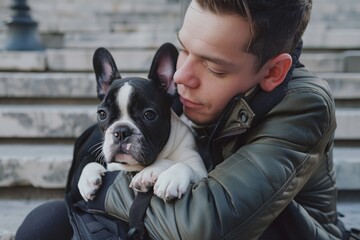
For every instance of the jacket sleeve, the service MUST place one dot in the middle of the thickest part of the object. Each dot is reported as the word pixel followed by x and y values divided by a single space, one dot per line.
pixel 247 191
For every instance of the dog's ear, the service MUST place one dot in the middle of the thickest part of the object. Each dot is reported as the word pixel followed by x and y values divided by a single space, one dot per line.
pixel 163 68
pixel 105 71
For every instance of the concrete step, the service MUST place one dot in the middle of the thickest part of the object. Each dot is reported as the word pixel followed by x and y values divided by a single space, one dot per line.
pixel 347 165
pixel 47 85
pixel 336 13
pixel 90 16
pixel 319 36
pixel 45 121
pixel 136 60
pixel 13 213
pixel 17 202
pixel 324 62
pixel 345 86
pixel 131 40
pixel 62 105
pixel 68 121
pixel 64 16
pixel 81 85
pixel 347 124
pixel 46 165
pixel 37 165
pixel 70 60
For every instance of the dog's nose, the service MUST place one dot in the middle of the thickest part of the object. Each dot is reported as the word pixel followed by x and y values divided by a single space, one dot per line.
pixel 120 133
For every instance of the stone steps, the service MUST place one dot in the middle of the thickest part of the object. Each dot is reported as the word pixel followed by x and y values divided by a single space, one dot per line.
pixel 37 165
pixel 317 36
pixel 138 60
pixel 64 121
pixel 46 165
pixel 68 121
pixel 54 16
pixel 43 113
pixel 81 85
pixel 72 60
pixel 45 121
pixel 332 25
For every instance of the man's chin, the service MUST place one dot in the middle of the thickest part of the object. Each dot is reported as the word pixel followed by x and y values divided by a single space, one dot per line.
pixel 199 119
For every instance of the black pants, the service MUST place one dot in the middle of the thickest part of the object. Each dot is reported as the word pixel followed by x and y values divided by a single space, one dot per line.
pixel 50 221
pixel 47 221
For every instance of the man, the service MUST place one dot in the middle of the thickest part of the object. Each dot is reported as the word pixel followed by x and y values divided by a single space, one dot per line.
pixel 268 124
pixel 263 123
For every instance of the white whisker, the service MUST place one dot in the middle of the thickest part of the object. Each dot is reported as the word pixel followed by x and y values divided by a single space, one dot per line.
pixel 96 150
pixel 95 146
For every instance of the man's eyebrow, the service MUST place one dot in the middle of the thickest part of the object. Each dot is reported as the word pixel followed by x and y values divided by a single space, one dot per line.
pixel 215 60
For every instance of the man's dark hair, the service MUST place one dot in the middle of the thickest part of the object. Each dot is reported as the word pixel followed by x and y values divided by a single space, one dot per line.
pixel 276 26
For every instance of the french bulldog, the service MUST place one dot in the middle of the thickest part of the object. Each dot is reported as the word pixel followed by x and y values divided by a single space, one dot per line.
pixel 140 131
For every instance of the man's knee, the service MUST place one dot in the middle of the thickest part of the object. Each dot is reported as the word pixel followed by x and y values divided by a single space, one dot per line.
pixel 47 221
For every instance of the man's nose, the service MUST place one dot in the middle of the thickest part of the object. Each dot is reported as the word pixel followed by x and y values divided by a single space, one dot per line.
pixel 186 74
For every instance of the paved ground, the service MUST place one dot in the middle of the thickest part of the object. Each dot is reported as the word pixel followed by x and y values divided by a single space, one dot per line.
pixel 349 205
pixel 352 214
pixel 14 211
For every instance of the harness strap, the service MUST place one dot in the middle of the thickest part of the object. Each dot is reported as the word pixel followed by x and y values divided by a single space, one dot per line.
pixel 136 215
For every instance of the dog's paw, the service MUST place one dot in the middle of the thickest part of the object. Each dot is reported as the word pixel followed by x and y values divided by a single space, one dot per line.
pixel 145 179
pixel 173 182
pixel 90 180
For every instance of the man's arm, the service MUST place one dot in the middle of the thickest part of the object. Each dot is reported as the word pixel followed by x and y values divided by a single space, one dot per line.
pixel 246 192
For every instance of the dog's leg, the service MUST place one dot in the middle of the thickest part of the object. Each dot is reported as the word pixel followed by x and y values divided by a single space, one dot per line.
pixel 91 180
pixel 173 182
pixel 114 167
pixel 147 177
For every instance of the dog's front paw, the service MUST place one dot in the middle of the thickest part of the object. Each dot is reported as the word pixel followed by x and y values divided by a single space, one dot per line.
pixel 90 180
pixel 145 179
pixel 173 182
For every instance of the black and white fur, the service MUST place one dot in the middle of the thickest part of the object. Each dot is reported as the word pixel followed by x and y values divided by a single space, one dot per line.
pixel 141 132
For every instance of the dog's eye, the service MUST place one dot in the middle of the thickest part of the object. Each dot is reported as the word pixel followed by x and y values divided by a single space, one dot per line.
pixel 150 115
pixel 102 114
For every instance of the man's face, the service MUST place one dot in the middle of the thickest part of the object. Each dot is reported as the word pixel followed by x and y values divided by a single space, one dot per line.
pixel 213 65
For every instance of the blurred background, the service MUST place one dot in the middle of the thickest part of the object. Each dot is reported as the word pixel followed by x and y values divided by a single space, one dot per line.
pixel 47 85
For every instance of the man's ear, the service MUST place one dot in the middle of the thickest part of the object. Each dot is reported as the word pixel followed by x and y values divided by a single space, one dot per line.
pixel 277 69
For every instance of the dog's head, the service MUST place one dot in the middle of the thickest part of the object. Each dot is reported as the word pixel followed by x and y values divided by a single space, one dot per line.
pixel 134 113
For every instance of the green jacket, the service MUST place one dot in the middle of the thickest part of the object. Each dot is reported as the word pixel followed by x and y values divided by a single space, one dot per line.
pixel 282 170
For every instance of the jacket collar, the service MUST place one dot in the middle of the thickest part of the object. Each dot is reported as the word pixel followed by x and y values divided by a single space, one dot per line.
pixel 247 110
pixel 244 112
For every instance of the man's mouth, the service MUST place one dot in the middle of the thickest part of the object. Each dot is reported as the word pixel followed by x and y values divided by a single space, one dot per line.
pixel 188 103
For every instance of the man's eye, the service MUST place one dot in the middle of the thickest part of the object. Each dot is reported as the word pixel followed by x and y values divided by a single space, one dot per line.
pixel 217 74
pixel 102 114
pixel 150 115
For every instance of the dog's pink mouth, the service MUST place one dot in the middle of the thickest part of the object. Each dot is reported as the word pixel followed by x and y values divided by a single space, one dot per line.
pixel 126 162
